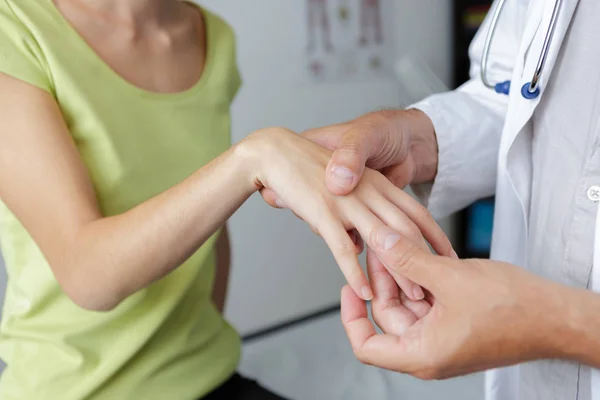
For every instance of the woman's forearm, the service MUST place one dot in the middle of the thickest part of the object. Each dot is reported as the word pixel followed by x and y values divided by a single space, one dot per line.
pixel 112 258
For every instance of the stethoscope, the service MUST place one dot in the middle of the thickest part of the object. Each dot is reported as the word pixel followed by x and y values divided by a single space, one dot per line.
pixel 531 89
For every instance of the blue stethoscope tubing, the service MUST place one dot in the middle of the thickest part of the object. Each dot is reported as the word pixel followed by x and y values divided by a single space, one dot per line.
pixel 529 90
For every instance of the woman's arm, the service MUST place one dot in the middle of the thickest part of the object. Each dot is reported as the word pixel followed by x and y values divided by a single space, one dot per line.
pixel 99 261
pixel 223 264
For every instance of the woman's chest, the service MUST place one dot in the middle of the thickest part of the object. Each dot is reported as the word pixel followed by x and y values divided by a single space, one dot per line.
pixel 135 152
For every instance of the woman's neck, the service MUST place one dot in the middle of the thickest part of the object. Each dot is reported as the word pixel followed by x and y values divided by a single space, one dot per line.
pixel 135 12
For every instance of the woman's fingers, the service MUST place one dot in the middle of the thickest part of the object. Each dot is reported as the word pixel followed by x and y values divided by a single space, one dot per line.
pixel 387 308
pixel 366 223
pixel 395 218
pixel 344 252
pixel 357 240
pixel 421 218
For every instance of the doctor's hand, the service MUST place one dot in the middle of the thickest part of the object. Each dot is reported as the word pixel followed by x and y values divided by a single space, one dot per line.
pixel 477 315
pixel 401 144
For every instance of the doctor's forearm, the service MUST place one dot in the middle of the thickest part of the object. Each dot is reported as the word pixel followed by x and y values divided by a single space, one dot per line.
pixel 581 338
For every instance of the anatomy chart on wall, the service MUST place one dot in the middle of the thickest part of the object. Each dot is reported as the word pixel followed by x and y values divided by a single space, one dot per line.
pixel 348 39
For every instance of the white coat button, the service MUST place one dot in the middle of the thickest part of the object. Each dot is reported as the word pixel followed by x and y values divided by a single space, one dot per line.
pixel 594 193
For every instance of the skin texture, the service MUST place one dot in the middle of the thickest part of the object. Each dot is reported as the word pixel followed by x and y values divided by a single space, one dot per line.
pixel 157 45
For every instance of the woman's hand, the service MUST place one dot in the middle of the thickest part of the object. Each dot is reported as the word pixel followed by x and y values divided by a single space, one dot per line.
pixel 294 168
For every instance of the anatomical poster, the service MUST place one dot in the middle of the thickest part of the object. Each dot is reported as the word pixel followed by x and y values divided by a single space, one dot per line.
pixel 348 39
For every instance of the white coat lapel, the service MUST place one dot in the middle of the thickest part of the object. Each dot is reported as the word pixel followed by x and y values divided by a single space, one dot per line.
pixel 515 152
pixel 533 41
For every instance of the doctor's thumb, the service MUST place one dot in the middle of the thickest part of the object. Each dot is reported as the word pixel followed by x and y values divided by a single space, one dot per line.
pixel 347 163
pixel 401 256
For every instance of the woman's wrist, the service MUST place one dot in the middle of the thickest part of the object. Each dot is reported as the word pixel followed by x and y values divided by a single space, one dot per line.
pixel 248 161
pixel 253 154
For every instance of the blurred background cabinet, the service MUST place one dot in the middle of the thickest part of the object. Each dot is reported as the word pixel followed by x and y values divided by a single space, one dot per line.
pixel 474 224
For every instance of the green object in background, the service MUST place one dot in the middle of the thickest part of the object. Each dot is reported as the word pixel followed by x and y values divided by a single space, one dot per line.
pixel 344 13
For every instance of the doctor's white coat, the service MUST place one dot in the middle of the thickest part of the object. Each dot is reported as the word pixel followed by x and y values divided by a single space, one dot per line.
pixel 480 130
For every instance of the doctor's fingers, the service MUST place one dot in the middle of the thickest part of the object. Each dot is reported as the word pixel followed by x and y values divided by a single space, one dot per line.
pixel 358 145
pixel 402 257
pixel 387 350
pixel 386 293
pixel 391 216
pixel 329 137
pixel 366 222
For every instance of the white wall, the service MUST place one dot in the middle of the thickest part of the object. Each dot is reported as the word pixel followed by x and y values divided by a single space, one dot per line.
pixel 424 29
pixel 281 269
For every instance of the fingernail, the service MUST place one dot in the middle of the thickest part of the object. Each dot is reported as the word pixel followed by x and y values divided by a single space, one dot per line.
pixel 418 293
pixel 279 203
pixel 366 293
pixel 387 238
pixel 343 176
pixel 454 255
